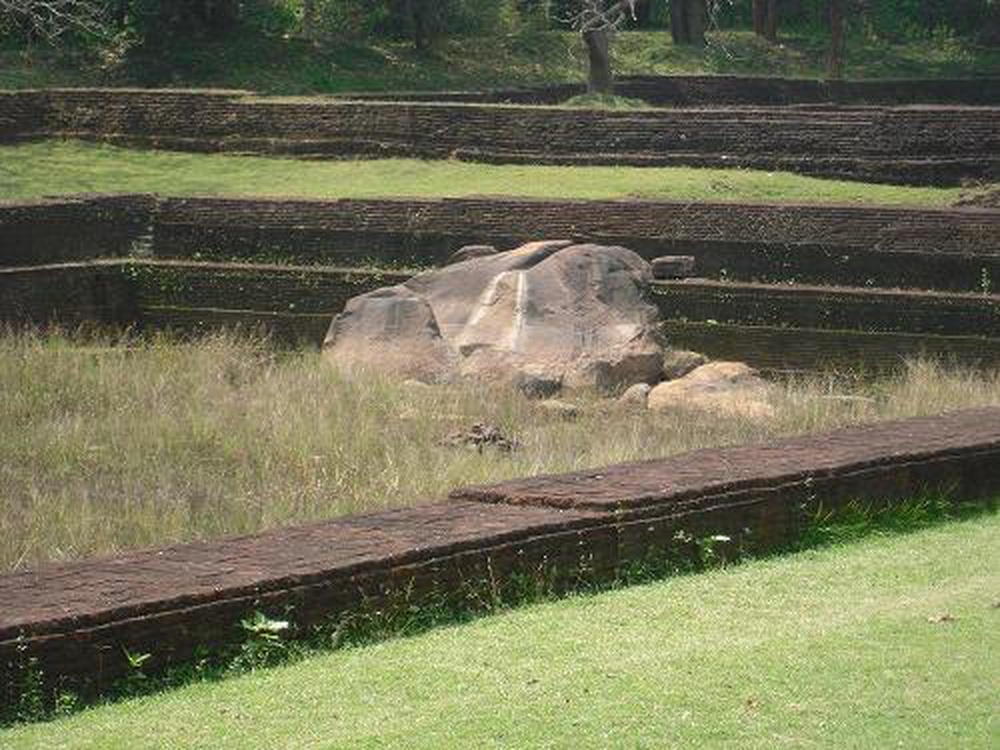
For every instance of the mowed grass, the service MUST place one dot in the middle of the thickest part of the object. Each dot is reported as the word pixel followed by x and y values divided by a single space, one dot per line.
pixel 57 167
pixel 110 447
pixel 893 641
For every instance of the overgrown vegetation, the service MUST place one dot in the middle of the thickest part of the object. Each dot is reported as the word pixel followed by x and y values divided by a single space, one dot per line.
pixel 110 445
pixel 782 650
pixel 53 167
pixel 296 46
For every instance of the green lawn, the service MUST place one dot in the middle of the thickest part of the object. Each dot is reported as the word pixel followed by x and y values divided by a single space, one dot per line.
pixel 889 642
pixel 71 167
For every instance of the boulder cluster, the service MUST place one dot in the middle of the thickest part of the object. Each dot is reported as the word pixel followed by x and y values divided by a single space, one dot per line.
pixel 546 317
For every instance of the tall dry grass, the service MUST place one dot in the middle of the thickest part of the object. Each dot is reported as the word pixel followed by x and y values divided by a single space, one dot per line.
pixel 106 446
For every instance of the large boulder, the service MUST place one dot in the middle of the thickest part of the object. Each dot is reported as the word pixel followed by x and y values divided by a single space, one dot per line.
pixel 546 311
pixel 391 330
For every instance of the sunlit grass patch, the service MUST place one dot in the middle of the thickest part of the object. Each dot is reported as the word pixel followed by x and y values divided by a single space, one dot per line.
pixel 62 167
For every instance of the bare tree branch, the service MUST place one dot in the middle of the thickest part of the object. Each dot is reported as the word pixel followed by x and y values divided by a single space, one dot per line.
pixel 599 15
pixel 51 19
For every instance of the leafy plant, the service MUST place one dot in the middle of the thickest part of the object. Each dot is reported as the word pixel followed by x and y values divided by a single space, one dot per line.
pixel 264 643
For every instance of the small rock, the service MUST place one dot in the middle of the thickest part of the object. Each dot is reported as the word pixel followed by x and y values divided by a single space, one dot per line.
pixel 537 386
pixel 722 374
pixel 727 388
pixel 563 409
pixel 468 252
pixel 946 617
pixel 673 266
pixel 636 395
pixel 479 436
pixel 679 362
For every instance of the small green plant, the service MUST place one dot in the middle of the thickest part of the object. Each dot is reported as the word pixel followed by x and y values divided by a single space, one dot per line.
pixel 136 678
pixel 264 643
pixel 136 661
pixel 712 550
pixel 29 689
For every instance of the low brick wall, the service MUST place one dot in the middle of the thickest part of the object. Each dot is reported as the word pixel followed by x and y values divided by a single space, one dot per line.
pixel 71 228
pixel 772 327
pixel 921 145
pixel 721 90
pixel 950 249
pixel 76 621
pixel 69 295
pixel 954 249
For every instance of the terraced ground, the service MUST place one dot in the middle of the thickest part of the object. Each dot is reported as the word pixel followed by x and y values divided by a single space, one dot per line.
pixel 846 290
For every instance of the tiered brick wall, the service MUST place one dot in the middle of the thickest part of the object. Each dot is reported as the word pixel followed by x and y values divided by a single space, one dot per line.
pixel 951 249
pixel 917 144
pixel 776 326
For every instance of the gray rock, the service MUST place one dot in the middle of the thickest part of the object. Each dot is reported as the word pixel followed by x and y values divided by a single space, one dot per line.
pixel 673 266
pixel 678 362
pixel 636 395
pixel 546 312
pixel 537 386
pixel 390 331
pixel 468 252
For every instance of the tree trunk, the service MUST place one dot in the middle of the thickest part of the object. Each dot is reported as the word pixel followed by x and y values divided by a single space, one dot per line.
pixel 697 16
pixel 599 78
pixel 835 66
pixel 309 19
pixel 418 15
pixel 771 26
pixel 687 21
pixel 765 19
pixel 759 17
pixel 678 22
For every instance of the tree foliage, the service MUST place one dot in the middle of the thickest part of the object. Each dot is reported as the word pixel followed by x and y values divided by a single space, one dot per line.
pixel 158 24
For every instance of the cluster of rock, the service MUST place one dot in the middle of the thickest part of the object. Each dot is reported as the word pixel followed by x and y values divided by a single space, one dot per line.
pixel 547 316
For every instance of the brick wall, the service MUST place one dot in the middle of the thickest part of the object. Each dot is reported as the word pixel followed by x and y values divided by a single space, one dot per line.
pixel 927 145
pixel 715 90
pixel 951 249
pixel 78 620
pixel 948 249
pixel 74 228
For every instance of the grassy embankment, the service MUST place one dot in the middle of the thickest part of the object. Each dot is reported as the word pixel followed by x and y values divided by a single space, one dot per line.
pixel 105 448
pixel 891 641
pixel 276 65
pixel 58 167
